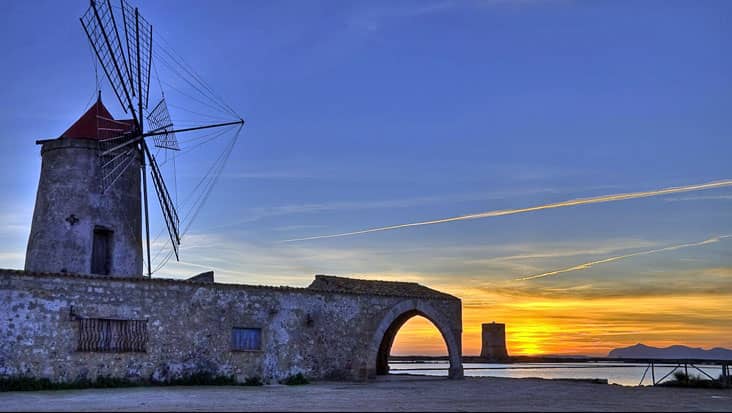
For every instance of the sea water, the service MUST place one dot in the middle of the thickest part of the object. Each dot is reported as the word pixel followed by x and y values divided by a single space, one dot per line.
pixel 626 374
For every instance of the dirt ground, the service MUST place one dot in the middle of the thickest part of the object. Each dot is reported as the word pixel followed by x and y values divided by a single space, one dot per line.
pixel 392 393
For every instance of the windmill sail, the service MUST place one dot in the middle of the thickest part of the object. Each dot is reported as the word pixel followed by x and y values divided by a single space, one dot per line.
pixel 166 203
pixel 138 36
pixel 115 163
pixel 101 29
pixel 158 120
pixel 115 158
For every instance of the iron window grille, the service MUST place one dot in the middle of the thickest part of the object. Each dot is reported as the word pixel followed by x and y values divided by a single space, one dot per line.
pixel 110 335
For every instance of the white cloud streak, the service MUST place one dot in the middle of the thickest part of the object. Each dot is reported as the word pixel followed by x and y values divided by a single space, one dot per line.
pixel 501 212
pixel 701 198
pixel 591 264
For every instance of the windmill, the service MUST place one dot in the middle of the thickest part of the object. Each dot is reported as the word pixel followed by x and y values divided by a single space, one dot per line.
pixel 125 53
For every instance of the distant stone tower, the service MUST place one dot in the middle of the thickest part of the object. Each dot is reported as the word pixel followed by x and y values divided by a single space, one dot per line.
pixel 76 228
pixel 494 342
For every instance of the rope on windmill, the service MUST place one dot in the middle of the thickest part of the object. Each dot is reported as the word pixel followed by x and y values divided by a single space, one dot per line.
pixel 210 178
pixel 163 246
pixel 176 89
pixel 212 117
pixel 168 49
pixel 207 93
pixel 203 95
pixel 193 212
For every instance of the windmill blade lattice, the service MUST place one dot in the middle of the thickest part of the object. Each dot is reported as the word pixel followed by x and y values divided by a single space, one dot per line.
pixel 172 222
pixel 159 121
pixel 115 158
pixel 101 29
pixel 138 35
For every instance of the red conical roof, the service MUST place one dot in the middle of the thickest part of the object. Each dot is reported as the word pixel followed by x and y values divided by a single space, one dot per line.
pixel 98 123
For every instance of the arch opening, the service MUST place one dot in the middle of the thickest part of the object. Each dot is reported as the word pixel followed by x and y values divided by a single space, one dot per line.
pixel 450 328
pixel 387 342
pixel 418 337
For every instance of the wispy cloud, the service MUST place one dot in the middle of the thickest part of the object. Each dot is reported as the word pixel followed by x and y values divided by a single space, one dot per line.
pixel 267 174
pixel 13 223
pixel 374 17
pixel 557 249
pixel 459 269
pixel 11 257
pixel 14 230
pixel 700 198
pixel 502 212
pixel 591 264
pixel 258 213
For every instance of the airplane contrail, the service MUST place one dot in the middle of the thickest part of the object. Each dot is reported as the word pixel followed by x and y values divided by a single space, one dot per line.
pixel 501 212
pixel 621 257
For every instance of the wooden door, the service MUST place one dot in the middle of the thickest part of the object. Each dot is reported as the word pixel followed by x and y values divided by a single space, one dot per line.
pixel 102 251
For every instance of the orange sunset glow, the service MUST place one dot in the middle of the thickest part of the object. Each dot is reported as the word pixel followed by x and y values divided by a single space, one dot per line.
pixel 582 324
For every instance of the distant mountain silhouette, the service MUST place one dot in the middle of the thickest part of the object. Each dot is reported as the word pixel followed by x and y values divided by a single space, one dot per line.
pixel 640 351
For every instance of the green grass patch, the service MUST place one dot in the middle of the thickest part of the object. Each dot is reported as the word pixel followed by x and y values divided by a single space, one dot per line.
pixel 22 383
pixel 33 384
pixel 202 379
pixel 253 381
pixel 295 380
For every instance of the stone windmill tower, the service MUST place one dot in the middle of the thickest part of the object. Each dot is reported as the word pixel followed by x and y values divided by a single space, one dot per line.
pixel 91 193
pixel 78 226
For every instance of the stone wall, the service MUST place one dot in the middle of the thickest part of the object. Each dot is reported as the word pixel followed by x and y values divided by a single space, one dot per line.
pixel 333 333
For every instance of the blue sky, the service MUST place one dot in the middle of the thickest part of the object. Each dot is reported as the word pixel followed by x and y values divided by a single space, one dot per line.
pixel 364 114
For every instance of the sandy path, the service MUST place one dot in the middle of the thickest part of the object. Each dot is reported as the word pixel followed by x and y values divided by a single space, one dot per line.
pixel 393 393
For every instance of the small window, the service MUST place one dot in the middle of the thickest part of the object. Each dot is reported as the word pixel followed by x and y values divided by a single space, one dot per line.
pixel 246 339
pixel 102 251
pixel 116 336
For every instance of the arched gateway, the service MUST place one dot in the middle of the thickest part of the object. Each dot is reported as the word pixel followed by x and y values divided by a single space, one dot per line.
pixel 397 303
pixel 394 320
